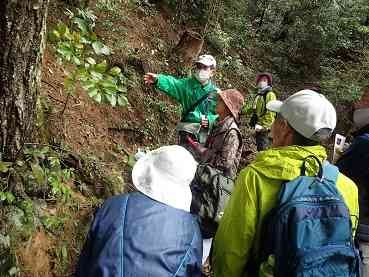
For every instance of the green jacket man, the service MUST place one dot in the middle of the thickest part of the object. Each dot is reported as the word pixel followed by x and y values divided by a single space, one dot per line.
pixel 197 94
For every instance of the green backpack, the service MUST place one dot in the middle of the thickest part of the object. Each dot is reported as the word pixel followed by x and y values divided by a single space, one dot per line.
pixel 211 191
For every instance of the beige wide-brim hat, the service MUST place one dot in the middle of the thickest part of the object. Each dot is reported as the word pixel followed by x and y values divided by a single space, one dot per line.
pixel 165 175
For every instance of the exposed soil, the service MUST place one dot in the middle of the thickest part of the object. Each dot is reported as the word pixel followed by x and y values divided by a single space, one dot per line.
pixel 34 256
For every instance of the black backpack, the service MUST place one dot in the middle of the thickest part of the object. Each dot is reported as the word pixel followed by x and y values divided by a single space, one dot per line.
pixel 254 117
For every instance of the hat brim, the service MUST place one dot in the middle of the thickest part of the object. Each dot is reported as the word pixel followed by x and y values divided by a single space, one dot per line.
pixel 274 106
pixel 162 186
pixel 228 104
pixel 205 63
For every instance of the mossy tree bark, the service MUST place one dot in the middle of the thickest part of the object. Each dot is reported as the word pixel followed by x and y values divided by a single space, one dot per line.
pixel 22 41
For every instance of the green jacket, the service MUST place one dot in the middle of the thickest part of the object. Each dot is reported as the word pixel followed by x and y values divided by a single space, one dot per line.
pixel 187 91
pixel 265 118
pixel 255 194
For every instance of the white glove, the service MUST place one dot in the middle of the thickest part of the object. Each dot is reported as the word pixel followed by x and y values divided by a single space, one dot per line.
pixel 258 127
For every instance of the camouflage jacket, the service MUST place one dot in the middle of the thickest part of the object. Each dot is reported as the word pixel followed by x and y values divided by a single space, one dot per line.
pixel 223 147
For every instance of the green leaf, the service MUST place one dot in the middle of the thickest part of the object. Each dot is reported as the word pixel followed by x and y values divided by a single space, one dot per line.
pixel 61 28
pixel 131 160
pixel 81 25
pixel 101 67
pixel 85 40
pixel 55 34
pixel 76 60
pixel 88 85
pixel 38 173
pixel 91 60
pixel 4 166
pixel 122 100
pixel 122 89
pixel 96 75
pixel 9 197
pixel 98 98
pixel 363 29
pixel 100 48
pixel 93 92
pixel 65 52
pixel 113 100
pixel 115 71
pixel 67 34
pixel 108 84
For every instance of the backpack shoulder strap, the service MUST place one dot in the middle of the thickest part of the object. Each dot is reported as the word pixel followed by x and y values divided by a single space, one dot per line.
pixel 330 172
pixel 233 127
pixel 194 105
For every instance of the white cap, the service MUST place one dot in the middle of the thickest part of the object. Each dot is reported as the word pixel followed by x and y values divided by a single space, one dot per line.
pixel 207 60
pixel 307 112
pixel 165 175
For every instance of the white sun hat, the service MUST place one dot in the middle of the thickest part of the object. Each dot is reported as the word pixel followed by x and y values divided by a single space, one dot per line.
pixel 207 60
pixel 308 112
pixel 165 175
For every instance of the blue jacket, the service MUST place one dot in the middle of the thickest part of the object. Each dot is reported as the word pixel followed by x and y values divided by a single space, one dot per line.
pixel 133 235
pixel 354 163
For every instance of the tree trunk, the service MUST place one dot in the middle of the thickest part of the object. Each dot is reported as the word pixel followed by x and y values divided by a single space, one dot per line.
pixel 188 48
pixel 22 41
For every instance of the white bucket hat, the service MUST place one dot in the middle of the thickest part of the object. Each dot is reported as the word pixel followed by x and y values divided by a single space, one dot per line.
pixel 207 60
pixel 165 175
pixel 307 112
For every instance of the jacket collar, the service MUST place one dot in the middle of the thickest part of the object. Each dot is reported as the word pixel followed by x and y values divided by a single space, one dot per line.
pixel 209 86
pixel 265 90
pixel 285 163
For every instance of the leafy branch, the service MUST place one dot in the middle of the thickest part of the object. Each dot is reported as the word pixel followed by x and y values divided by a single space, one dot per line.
pixel 79 49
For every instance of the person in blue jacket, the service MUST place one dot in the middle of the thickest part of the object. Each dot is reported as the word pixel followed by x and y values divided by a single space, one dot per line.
pixel 354 163
pixel 149 232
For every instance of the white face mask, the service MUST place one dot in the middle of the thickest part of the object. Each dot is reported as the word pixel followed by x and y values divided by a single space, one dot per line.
pixel 203 75
pixel 263 84
pixel 361 117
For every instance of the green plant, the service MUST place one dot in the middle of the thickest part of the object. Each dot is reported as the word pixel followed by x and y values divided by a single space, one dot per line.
pixel 53 223
pixel 45 169
pixel 62 256
pixel 78 47
pixel 7 197
pixel 108 5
